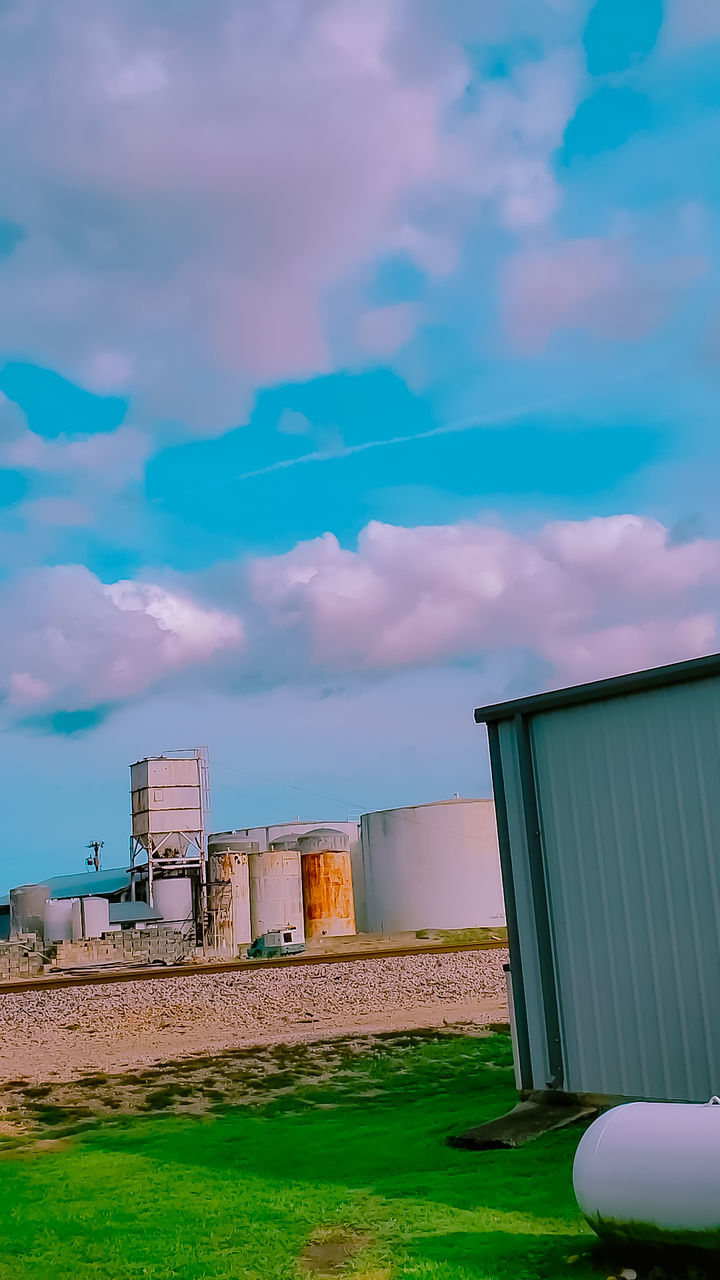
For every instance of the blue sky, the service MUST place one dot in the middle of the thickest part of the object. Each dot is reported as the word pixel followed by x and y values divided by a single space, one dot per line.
pixel 358 365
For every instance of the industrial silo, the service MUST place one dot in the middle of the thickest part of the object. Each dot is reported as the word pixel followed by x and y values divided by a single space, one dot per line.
pixel 173 897
pixel 266 836
pixel 90 917
pixel 432 866
pixel 229 890
pixel 27 909
pixel 327 883
pixel 58 920
pixel 276 890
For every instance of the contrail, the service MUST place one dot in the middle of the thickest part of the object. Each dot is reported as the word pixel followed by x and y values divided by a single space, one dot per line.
pixel 346 451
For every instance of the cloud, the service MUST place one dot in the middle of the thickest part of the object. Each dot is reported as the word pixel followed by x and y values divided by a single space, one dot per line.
pixel 384 330
pixel 424 595
pixel 191 188
pixel 690 22
pixel 593 284
pixel 77 643
pixel 587 598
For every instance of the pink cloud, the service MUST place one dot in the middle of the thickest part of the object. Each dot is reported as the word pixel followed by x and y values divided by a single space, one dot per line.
pixel 385 329
pixel 592 598
pixel 425 595
pixel 691 22
pixel 230 172
pixel 594 285
pixel 77 642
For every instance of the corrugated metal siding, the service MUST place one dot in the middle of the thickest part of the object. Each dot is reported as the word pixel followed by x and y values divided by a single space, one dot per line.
pixel 524 906
pixel 629 801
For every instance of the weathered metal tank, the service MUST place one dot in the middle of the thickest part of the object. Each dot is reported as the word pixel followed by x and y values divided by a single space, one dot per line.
pixel 27 909
pixel 229 891
pixel 276 892
pixel 327 883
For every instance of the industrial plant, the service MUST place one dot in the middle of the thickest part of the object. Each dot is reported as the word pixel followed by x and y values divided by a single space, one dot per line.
pixel 253 892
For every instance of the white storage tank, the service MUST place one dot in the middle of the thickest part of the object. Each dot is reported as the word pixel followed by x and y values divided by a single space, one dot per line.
pixel 90 917
pixel 58 920
pixel 27 909
pixel 229 890
pixel 432 866
pixel 173 897
pixel 276 892
pixel 649 1172
pixel 265 836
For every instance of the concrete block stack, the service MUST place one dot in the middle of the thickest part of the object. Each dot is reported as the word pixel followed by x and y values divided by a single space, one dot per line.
pixel 126 946
pixel 21 958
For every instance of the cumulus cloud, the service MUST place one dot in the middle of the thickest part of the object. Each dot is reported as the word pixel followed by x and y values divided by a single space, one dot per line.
pixel 192 184
pixel 77 642
pixel 691 22
pixel 591 598
pixel 595 285
pixel 424 595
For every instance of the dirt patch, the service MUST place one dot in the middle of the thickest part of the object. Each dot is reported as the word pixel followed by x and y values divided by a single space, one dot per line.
pixel 328 1253
pixel 318 1076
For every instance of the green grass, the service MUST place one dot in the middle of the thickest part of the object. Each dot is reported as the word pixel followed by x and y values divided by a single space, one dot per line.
pixel 241 1191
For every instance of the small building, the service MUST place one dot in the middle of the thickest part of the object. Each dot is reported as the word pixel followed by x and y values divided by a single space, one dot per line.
pixel 113 884
pixel 608 810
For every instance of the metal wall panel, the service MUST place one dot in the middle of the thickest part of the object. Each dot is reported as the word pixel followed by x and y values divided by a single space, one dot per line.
pixel 527 950
pixel 628 794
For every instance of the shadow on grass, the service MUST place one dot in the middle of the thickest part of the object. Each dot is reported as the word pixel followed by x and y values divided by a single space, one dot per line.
pixel 502 1255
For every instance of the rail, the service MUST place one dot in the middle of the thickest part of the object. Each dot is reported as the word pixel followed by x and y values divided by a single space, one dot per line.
pixel 142 973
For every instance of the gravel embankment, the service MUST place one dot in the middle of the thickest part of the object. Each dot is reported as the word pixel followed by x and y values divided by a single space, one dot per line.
pixel 58 1034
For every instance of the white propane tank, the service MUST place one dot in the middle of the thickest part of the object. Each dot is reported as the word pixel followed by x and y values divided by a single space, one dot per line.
pixel 650 1172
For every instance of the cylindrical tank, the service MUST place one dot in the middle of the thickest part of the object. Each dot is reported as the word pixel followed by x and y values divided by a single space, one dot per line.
pixel 173 897
pixel 90 917
pixel 266 837
pixel 27 909
pixel 650 1172
pixel 327 883
pixel 229 890
pixel 58 920
pixel 433 866
pixel 276 892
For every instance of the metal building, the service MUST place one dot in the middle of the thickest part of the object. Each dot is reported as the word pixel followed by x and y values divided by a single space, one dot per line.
pixel 608 812
pixel 433 866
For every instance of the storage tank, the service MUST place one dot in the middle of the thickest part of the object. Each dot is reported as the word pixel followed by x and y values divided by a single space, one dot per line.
pixel 58 920
pixel 229 890
pixel 90 917
pixel 649 1172
pixel 432 866
pixel 173 896
pixel 327 883
pixel 276 892
pixel 27 909
pixel 265 836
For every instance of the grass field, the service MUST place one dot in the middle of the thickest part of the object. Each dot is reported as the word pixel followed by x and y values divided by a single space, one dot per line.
pixel 324 1172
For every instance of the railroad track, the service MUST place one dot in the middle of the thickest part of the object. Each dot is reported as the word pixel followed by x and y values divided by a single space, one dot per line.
pixel 94 977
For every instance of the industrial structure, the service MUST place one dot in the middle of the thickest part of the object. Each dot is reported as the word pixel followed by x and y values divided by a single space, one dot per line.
pixel 169 801
pixel 276 889
pixel 608 812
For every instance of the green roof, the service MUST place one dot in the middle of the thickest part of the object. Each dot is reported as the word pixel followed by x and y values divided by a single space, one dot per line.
pixel 85 884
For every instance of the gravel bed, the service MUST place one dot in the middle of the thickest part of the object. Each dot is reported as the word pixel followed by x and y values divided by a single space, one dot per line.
pixel 58 1034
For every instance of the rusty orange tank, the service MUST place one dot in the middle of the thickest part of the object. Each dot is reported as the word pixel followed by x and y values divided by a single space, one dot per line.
pixel 328 903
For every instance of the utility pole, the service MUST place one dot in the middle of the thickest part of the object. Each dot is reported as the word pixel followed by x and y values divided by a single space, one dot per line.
pixel 94 861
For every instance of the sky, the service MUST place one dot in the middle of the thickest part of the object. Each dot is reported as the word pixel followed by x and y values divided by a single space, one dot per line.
pixel 359 365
